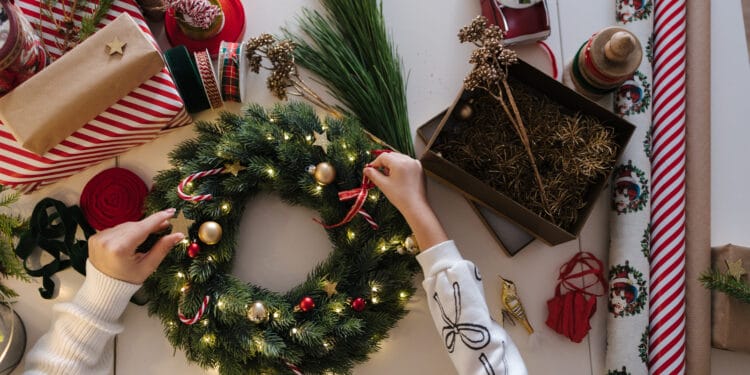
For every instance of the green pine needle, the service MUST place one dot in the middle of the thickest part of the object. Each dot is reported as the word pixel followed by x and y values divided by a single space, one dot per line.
pixel 725 283
pixel 91 20
pixel 351 52
pixel 10 227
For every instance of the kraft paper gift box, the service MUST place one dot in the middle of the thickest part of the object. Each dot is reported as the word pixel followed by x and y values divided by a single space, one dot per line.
pixel 571 102
pixel 730 322
pixel 151 109
pixel 72 91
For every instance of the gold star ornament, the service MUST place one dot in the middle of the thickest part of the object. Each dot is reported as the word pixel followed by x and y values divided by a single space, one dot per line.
pixel 116 46
pixel 330 287
pixel 234 168
pixel 181 224
pixel 735 269
pixel 321 139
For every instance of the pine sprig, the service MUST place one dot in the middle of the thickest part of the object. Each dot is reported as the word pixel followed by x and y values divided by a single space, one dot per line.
pixel 90 20
pixel 725 283
pixel 10 226
pixel 350 51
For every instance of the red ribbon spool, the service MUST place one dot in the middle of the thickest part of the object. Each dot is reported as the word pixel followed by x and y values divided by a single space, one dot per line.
pixel 112 197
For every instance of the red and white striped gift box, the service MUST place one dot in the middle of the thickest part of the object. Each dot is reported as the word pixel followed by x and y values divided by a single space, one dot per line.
pixel 155 107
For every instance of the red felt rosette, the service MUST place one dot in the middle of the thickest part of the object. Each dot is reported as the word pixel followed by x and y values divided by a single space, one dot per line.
pixel 112 197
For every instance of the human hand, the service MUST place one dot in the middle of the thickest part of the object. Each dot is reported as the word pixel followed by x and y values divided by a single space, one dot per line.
pixel 113 251
pixel 401 179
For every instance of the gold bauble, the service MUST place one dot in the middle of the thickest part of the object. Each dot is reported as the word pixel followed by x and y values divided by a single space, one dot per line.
pixel 210 233
pixel 324 173
pixel 257 313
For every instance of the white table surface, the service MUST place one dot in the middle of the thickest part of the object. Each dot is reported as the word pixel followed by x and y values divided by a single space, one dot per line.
pixel 425 34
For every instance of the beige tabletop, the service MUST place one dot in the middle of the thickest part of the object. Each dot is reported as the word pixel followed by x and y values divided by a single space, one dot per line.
pixel 425 34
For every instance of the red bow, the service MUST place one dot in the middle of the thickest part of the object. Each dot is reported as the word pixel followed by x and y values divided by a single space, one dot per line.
pixel 359 195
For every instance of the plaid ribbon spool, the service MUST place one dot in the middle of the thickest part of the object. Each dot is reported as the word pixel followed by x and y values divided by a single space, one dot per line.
pixel 229 71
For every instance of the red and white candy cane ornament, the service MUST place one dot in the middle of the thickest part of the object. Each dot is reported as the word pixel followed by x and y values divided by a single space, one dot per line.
pixel 198 197
pixel 294 368
pixel 198 314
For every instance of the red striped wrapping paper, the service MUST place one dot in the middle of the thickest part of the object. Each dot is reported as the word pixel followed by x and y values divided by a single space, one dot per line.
pixel 152 109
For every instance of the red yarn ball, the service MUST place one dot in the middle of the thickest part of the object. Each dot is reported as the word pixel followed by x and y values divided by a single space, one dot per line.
pixel 113 197
pixel 193 250
pixel 306 304
pixel 359 304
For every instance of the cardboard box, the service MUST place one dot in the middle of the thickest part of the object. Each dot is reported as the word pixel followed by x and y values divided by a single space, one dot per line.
pixel 509 236
pixel 479 191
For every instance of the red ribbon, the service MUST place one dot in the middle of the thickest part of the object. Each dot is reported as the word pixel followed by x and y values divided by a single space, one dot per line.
pixel 359 195
pixel 569 313
pixel 112 197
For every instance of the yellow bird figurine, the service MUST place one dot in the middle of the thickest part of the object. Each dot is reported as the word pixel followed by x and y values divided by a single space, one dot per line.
pixel 511 304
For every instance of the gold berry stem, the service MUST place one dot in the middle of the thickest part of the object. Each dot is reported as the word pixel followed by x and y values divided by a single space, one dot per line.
pixel 523 135
pixel 306 92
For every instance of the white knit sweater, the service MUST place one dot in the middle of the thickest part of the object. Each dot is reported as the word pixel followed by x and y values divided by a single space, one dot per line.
pixel 477 345
pixel 80 340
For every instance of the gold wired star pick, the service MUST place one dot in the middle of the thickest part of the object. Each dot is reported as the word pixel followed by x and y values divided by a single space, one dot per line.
pixel 735 269
pixel 116 46
pixel 181 224
pixel 330 287
pixel 321 139
pixel 234 168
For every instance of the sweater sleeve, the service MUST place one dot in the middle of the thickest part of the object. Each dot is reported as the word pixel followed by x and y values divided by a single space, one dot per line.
pixel 80 338
pixel 476 344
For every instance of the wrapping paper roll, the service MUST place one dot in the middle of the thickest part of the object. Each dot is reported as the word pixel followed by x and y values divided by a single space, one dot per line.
pixel 666 352
pixel 698 181
pixel 627 321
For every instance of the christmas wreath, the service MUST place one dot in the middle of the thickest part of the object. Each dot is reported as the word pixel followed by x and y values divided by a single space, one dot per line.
pixel 334 319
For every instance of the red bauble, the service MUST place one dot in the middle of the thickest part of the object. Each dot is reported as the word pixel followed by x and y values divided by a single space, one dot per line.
pixel 193 249
pixel 306 304
pixel 359 304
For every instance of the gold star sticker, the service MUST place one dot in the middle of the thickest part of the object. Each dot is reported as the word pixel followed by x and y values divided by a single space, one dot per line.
pixel 234 168
pixel 321 139
pixel 735 269
pixel 330 287
pixel 116 46
pixel 181 224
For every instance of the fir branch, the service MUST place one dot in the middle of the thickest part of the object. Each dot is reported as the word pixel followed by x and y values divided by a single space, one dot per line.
pixel 91 20
pixel 10 227
pixel 351 52
pixel 715 280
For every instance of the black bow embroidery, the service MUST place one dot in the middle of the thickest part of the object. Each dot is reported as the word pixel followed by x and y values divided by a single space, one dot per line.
pixel 474 336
